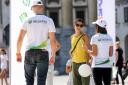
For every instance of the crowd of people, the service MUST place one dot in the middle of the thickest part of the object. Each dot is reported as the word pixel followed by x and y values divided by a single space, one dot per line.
pixel 40 55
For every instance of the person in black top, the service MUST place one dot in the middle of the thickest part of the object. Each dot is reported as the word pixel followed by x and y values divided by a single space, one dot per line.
pixel 119 62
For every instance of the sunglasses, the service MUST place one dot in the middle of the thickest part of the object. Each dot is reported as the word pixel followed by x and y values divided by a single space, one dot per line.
pixel 79 25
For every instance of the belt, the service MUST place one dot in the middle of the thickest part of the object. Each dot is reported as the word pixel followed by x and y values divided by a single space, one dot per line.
pixel 39 49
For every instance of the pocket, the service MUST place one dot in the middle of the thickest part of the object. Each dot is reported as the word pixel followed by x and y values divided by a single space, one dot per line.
pixel 28 57
pixel 42 57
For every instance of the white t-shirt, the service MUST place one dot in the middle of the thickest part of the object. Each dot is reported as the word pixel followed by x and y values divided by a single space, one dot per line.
pixel 103 42
pixel 4 59
pixel 37 28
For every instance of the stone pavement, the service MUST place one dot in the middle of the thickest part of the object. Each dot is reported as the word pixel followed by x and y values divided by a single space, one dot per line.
pixel 62 80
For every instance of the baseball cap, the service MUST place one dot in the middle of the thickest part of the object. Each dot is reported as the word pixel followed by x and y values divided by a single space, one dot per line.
pixel 37 2
pixel 102 23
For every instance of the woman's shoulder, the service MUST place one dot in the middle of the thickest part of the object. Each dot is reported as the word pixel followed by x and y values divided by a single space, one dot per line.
pixel 95 35
pixel 72 35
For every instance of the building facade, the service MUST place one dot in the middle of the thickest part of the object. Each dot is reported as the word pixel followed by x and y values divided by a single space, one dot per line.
pixel 63 13
pixel 122 24
pixel 4 23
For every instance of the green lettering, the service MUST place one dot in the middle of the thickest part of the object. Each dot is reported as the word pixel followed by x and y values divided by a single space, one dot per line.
pixel 26 2
pixel 23 16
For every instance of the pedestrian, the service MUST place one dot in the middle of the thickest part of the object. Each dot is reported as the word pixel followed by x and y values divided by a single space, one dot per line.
pixel 38 28
pixel 49 80
pixel 119 62
pixel 78 52
pixel 4 65
pixel 69 72
pixel 102 50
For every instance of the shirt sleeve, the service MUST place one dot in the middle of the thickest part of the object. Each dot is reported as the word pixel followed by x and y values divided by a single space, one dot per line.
pixel 111 44
pixel 51 26
pixel 93 40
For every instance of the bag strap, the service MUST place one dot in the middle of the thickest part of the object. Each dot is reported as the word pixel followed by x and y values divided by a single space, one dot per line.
pixel 76 43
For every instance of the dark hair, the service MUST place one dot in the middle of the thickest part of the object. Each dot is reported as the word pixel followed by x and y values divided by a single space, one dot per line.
pixel 101 29
pixel 80 20
pixel 3 50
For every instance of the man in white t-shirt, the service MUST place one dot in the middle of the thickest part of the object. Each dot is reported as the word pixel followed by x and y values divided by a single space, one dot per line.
pixel 38 28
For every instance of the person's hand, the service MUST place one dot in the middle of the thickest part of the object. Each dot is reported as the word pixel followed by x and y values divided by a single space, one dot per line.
pixel 52 60
pixel 18 57
pixel 68 69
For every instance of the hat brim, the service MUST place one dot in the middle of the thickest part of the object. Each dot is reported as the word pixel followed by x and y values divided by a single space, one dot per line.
pixel 38 5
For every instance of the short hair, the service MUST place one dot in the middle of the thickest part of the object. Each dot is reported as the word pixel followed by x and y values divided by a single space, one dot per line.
pixel 101 29
pixel 80 20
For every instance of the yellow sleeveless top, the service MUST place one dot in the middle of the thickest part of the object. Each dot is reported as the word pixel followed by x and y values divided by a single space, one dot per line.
pixel 79 55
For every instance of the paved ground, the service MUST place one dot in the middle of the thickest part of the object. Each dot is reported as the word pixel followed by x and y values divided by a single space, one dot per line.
pixel 4 82
pixel 62 80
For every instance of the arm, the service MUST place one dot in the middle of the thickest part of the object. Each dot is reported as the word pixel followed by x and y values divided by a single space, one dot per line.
pixel 71 47
pixel 19 44
pixel 58 46
pixel 87 42
pixel 110 51
pixel 53 46
pixel 94 50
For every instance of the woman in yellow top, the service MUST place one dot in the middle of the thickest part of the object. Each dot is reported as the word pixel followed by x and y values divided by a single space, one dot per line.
pixel 79 54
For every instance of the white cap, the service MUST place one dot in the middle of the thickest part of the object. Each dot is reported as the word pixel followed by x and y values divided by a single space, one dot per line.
pixel 37 2
pixel 102 23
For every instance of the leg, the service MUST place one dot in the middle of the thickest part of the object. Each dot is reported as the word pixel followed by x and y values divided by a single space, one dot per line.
pixel 85 80
pixel 96 76
pixel 29 67
pixel 29 73
pixel 6 81
pixel 120 73
pixel 76 76
pixel 1 81
pixel 5 77
pixel 42 69
pixel 107 76
pixel 117 80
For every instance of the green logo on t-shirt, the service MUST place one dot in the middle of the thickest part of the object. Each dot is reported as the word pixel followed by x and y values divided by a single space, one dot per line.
pixel 41 46
pixel 103 62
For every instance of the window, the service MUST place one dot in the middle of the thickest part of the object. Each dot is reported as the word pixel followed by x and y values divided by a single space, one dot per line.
pixel 55 16
pixel 56 1
pixel 125 14
pixel 80 14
